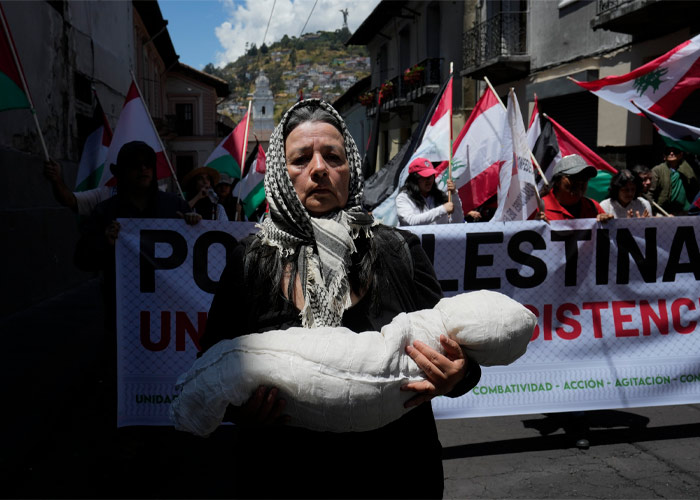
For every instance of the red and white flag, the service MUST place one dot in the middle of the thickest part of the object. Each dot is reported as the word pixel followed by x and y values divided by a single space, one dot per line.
pixel 436 142
pixel 534 129
pixel 477 153
pixel 517 194
pixel 659 86
pixel 134 125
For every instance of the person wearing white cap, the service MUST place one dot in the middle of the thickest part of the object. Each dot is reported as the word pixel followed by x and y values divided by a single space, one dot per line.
pixel 420 201
pixel 567 198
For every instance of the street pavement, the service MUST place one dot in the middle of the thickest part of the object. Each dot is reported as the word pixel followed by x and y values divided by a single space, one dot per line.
pixel 59 441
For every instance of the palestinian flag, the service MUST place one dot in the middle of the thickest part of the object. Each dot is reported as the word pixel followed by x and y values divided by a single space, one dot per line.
pixel 675 134
pixel 659 86
pixel 92 160
pixel 477 153
pixel 228 155
pixel 12 94
pixel 250 191
pixel 134 125
pixel 555 142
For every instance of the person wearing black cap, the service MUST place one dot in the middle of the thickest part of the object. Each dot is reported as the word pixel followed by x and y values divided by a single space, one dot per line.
pixel 421 202
pixel 567 198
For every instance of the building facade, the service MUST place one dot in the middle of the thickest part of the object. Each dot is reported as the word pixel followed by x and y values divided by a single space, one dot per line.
pixel 418 38
pixel 536 46
pixel 70 51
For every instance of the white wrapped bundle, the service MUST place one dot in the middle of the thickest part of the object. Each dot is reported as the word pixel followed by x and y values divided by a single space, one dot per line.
pixel 336 380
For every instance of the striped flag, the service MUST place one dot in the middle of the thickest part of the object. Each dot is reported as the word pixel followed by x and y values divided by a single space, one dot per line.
pixel 477 153
pixel 250 191
pixel 675 134
pixel 517 193
pixel 430 140
pixel 92 159
pixel 555 142
pixel 227 156
pixel 134 125
pixel 534 129
pixel 659 86
pixel 12 93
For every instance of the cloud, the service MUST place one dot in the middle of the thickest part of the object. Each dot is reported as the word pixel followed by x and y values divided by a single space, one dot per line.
pixel 246 21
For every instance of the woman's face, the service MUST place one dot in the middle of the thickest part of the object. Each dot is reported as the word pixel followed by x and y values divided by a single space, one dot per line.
pixel 572 188
pixel 646 181
pixel 627 193
pixel 318 167
pixel 202 182
pixel 425 184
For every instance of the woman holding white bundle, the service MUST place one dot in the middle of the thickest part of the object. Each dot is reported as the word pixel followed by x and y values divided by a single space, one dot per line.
pixel 320 260
pixel 421 202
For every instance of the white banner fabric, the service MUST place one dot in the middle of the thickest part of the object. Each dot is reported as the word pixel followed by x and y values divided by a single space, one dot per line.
pixel 618 308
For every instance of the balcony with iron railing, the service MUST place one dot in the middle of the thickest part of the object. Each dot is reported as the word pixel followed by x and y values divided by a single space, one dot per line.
pixel 497 48
pixel 646 18
pixel 416 84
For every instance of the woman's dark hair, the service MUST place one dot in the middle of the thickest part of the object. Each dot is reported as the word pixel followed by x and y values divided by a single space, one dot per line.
pixel 411 188
pixel 620 180
pixel 309 113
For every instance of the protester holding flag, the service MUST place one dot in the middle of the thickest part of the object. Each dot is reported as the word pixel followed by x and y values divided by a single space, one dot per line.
pixel 624 198
pixel 201 196
pixel 321 260
pixel 566 199
pixel 421 202
pixel 81 202
pixel 673 182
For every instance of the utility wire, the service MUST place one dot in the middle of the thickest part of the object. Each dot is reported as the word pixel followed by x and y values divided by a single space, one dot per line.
pixel 307 19
pixel 268 21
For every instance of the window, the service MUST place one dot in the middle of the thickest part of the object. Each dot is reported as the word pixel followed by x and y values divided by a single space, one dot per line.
pixel 184 119
pixel 263 110
pixel 184 163
pixel 82 88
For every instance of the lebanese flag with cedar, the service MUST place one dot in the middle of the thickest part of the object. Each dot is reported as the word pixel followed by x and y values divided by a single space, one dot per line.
pixel 134 125
pixel 476 159
pixel 660 86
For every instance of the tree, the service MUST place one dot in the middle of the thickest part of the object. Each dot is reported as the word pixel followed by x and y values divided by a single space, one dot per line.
pixel 263 49
pixel 293 58
pixel 253 51
pixel 285 41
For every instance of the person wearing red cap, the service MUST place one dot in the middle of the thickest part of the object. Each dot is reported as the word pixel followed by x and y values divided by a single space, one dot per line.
pixel 421 202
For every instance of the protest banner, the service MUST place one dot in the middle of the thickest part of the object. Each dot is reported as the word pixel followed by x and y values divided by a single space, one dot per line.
pixel 618 307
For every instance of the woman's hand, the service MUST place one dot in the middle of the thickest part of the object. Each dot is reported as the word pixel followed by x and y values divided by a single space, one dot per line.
pixel 451 188
pixel 449 207
pixel 604 217
pixel 263 408
pixel 443 371
pixel 190 218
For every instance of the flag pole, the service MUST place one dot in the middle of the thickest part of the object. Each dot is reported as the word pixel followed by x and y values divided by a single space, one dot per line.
pixel 20 71
pixel 449 165
pixel 242 164
pixel 162 147
pixel 532 157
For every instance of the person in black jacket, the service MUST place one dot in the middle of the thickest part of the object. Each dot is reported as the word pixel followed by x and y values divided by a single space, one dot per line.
pixel 321 260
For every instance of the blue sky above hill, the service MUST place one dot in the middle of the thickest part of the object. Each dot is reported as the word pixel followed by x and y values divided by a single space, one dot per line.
pixel 216 31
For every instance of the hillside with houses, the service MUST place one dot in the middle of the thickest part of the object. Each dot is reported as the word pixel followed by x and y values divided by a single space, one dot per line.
pixel 317 64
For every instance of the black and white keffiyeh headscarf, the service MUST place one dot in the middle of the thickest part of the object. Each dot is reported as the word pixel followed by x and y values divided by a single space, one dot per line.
pixel 324 244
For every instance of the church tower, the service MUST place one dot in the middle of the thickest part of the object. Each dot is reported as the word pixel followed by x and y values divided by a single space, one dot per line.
pixel 263 109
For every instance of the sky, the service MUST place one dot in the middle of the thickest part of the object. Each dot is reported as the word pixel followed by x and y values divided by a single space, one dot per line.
pixel 216 31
